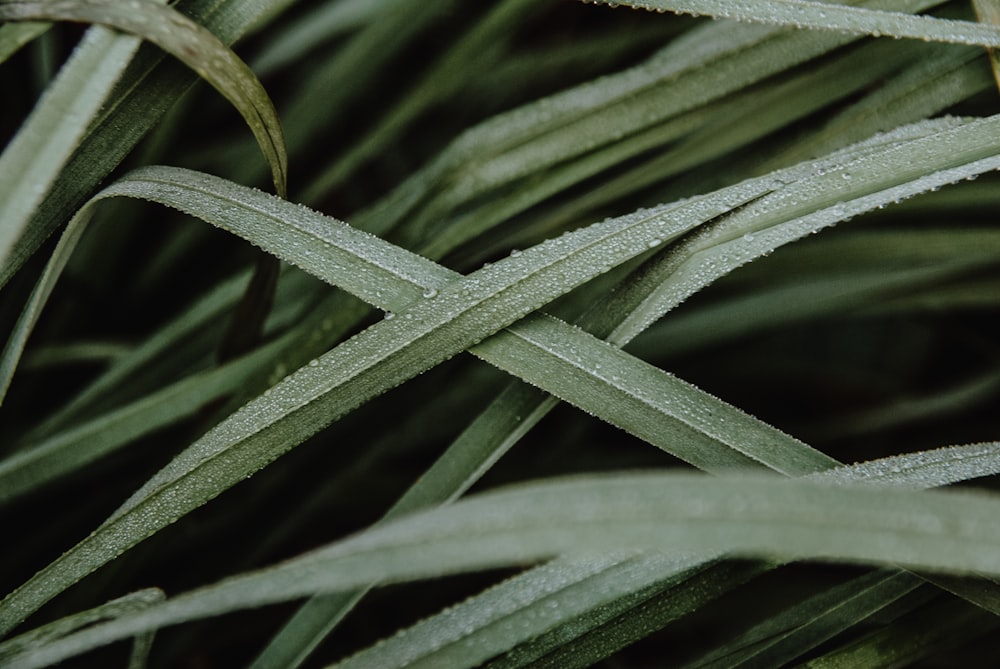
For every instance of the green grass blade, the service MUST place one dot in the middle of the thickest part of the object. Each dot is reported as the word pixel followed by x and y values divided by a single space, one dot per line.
pixel 694 514
pixel 698 424
pixel 39 463
pixel 785 636
pixel 546 595
pixel 585 639
pixel 31 163
pixel 936 628
pixel 15 35
pixel 318 25
pixel 149 88
pixel 826 16
pixel 190 43
pixel 23 645
pixel 428 332
pixel 496 290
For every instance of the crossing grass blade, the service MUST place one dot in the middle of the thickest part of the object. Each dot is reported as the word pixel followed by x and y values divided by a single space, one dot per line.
pixel 688 514
pixel 829 16
pixel 860 343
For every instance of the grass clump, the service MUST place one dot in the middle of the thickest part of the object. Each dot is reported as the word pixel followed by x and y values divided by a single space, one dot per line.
pixel 245 423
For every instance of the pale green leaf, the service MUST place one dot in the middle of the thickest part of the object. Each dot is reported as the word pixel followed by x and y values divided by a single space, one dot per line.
pixel 190 43
pixel 828 16
pixel 566 629
pixel 681 514
pixel 464 311
pixel 15 35
pixel 23 645
pixel 147 90
pixel 34 158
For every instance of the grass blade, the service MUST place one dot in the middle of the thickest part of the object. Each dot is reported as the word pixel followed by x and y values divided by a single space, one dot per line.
pixel 929 631
pixel 827 16
pixel 149 88
pixel 15 35
pixel 190 43
pixel 265 427
pixel 579 640
pixel 22 646
pixel 947 531
pixel 30 164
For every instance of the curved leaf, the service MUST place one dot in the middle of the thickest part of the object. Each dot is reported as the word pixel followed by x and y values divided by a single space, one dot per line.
pixel 828 16
pixel 680 514
pixel 190 43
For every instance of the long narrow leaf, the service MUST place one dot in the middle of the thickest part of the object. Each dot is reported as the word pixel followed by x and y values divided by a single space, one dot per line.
pixel 144 94
pixel 677 513
pixel 188 41
pixel 32 161
pixel 828 16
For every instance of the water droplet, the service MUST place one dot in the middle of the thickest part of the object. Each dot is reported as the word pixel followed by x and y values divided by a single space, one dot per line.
pixel 389 315
pixel 430 293
pixel 653 243
pixel 846 176
pixel 515 253
pixel 748 237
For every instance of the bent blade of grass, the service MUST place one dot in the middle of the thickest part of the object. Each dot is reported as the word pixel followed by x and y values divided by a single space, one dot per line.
pixel 15 35
pixel 605 387
pixel 144 94
pixel 825 16
pixel 190 43
pixel 920 470
pixel 34 158
pixel 429 332
pixel 270 425
pixel 468 458
pixel 683 515
pixel 562 348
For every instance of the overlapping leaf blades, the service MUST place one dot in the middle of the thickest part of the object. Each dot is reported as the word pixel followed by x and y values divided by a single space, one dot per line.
pixel 573 365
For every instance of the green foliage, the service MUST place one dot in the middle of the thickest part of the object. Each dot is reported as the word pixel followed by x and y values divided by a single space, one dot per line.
pixel 616 210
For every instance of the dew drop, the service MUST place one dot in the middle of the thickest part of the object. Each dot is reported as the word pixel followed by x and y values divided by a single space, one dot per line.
pixel 430 293
pixel 515 253
pixel 389 315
